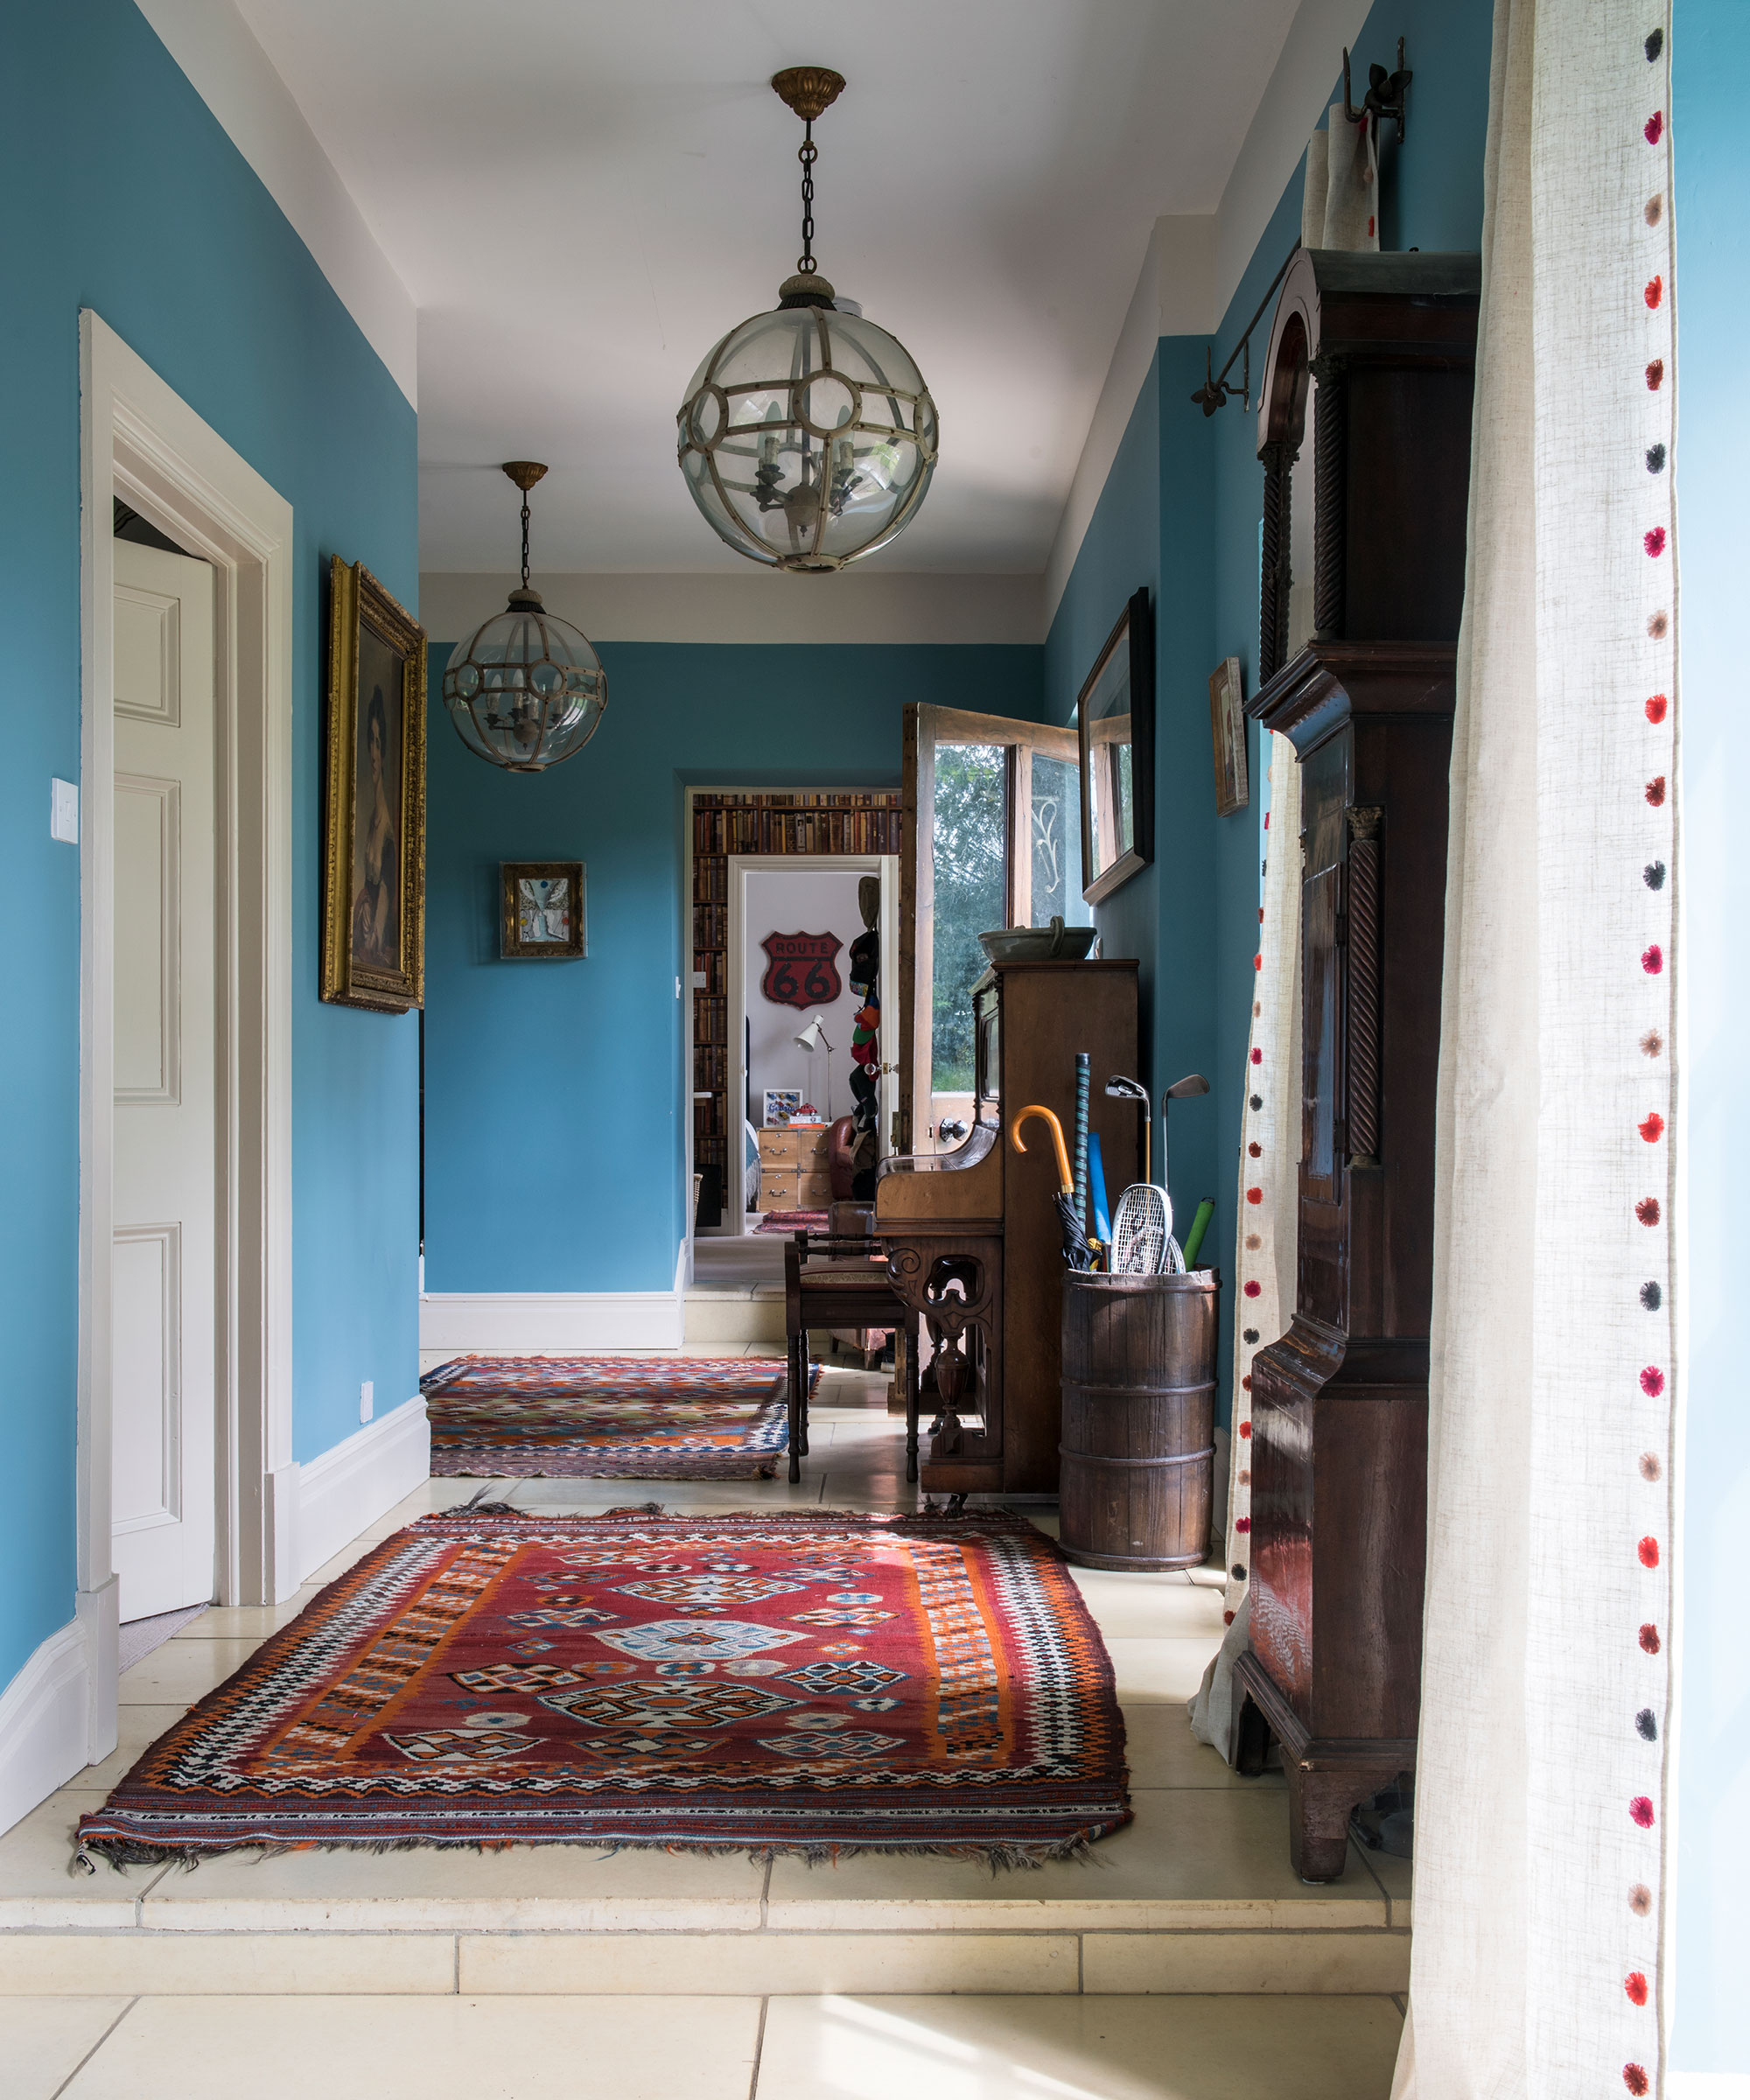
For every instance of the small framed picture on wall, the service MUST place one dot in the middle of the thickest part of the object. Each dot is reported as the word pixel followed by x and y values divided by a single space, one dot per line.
pixel 1227 736
pixel 541 910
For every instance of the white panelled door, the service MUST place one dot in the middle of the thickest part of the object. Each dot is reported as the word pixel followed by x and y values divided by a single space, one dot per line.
pixel 164 1315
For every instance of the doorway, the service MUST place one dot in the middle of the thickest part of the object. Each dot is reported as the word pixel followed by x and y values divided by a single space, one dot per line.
pixel 197 1457
pixel 794 923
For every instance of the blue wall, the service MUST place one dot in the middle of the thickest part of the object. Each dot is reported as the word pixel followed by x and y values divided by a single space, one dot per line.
pixel 554 1094
pixel 124 195
pixel 1179 512
pixel 1711 59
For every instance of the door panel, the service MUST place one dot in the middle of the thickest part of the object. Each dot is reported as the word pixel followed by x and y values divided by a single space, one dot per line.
pixel 164 1296
pixel 992 839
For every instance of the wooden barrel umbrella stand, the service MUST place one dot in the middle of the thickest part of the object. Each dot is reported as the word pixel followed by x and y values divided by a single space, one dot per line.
pixel 1139 1445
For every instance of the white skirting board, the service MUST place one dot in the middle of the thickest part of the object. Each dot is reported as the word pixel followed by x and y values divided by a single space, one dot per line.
pixel 509 1323
pixel 349 1487
pixel 43 1714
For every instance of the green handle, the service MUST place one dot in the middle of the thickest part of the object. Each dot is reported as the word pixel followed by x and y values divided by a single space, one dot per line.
pixel 1200 1225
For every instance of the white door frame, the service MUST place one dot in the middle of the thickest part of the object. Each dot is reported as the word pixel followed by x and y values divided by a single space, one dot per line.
pixel 139 440
pixel 740 866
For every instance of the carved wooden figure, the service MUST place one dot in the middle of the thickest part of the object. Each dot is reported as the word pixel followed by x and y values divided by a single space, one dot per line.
pixel 1377 351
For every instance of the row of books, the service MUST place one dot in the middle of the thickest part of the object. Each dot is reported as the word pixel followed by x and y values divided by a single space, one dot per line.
pixel 837 829
pixel 710 1067
pixel 711 1018
pixel 713 965
pixel 710 921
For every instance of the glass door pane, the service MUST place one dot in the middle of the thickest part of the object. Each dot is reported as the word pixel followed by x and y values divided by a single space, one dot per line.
pixel 968 847
pixel 1056 843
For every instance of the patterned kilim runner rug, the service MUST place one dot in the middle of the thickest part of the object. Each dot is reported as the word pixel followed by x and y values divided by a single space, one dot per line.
pixel 609 1418
pixel 792 1221
pixel 810 1682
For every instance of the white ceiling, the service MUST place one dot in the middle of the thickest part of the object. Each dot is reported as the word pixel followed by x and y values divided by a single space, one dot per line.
pixel 582 197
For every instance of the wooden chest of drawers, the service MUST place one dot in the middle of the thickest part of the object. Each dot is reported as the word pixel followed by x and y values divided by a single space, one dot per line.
pixel 792 1174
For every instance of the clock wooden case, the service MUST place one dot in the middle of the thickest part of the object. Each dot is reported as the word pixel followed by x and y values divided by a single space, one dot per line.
pixel 1375 353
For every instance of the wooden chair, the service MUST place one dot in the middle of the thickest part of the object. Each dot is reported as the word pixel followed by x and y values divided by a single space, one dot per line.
pixel 837 1281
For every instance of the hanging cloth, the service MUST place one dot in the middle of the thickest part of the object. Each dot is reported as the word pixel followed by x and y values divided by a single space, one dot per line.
pixel 1540 1963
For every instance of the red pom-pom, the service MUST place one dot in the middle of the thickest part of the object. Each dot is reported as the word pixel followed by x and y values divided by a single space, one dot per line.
pixel 1242 1523
pixel 1652 1382
pixel 1253 1289
pixel 1649 1640
pixel 1654 291
pixel 1641 1811
pixel 1257 1057
pixel 1653 959
pixel 1648 1210
pixel 1635 1985
pixel 1656 794
pixel 1245 1429
pixel 1652 1127
pixel 1648 1550
pixel 1254 1195
pixel 1655 708
pixel 1654 129
pixel 1635 2078
pixel 1654 541
pixel 1656 375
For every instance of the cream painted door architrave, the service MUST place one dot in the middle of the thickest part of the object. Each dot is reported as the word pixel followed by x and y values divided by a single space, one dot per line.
pixel 164 1486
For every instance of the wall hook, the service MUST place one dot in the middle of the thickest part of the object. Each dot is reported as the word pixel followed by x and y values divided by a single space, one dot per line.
pixel 1385 95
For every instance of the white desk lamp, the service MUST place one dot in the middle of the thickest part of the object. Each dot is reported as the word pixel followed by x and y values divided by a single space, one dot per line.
pixel 813 1038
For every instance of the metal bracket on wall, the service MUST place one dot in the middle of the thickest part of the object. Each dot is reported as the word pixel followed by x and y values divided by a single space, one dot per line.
pixel 1384 96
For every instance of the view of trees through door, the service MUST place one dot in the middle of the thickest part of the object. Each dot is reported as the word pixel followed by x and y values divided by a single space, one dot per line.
pixel 996 841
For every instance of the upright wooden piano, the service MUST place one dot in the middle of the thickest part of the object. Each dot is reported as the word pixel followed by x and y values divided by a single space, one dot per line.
pixel 972 1237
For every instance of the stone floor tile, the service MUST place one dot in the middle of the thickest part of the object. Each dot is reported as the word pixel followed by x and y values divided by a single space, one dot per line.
pixel 43 2041
pixel 1078 2048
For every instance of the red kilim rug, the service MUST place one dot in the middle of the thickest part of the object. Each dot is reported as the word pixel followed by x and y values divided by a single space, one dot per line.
pixel 792 1221
pixel 813 1683
pixel 609 1418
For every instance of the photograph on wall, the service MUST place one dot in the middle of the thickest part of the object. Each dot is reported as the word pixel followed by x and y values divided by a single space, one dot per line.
pixel 541 910
pixel 373 812
pixel 1227 736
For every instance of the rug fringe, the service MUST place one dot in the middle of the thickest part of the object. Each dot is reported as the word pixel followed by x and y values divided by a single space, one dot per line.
pixel 1002 1857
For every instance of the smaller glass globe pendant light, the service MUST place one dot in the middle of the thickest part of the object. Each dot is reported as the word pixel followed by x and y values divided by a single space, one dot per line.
pixel 526 690
pixel 807 436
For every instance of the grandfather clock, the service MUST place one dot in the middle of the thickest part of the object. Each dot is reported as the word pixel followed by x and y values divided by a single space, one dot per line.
pixel 1363 586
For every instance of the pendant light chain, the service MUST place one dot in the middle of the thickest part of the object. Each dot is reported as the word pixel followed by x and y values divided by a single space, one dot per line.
pixel 525 539
pixel 808 153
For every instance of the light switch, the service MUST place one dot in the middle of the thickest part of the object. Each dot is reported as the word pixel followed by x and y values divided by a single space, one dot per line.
pixel 64 812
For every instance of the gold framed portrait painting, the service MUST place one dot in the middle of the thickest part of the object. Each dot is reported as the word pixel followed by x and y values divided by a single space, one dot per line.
pixel 373 798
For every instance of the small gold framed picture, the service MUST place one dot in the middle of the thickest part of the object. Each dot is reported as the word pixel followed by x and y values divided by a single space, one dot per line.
pixel 1227 736
pixel 373 798
pixel 541 913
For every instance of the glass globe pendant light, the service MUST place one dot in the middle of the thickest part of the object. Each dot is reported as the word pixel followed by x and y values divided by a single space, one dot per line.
pixel 807 436
pixel 526 690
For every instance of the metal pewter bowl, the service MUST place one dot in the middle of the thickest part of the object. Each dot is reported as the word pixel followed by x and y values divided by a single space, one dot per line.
pixel 1054 943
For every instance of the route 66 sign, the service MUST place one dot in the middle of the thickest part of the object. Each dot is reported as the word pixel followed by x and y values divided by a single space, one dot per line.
pixel 802 972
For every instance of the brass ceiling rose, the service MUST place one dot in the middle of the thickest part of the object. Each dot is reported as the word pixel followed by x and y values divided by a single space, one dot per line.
pixel 809 89
pixel 524 472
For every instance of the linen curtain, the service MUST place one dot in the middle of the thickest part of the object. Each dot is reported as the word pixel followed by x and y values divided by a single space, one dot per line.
pixel 1539 1959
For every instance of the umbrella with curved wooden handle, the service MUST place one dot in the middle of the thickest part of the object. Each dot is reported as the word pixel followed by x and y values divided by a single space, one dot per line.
pixel 1075 1253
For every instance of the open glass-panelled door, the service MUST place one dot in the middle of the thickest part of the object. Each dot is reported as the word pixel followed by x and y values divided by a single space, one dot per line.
pixel 992 838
